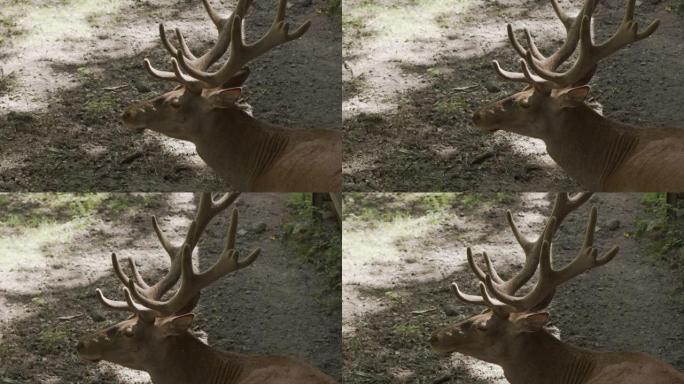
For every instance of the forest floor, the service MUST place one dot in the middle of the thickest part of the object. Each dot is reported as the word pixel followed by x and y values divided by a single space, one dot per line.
pixel 401 252
pixel 55 251
pixel 416 70
pixel 69 68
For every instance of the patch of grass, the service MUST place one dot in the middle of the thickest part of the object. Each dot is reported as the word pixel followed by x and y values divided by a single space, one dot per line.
pixel 355 86
pixel 408 331
pixel 678 7
pixel 40 209
pixel 7 82
pixel 451 105
pixel 318 241
pixel 666 235
pixel 334 8
pixel 18 120
pixel 96 108
pixel 53 340
pixel 388 207
pixel 9 28
pixel 118 203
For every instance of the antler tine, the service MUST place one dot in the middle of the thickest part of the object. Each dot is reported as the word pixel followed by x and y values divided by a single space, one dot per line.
pixel 191 283
pixel 563 205
pixel 502 299
pixel 590 54
pixel 587 258
pixel 535 60
pixel 207 209
pixel 241 53
pixel 562 15
pixel 223 25
pixel 181 261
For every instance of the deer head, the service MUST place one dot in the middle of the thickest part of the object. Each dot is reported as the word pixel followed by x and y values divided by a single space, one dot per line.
pixel 141 341
pixel 179 112
pixel 549 92
pixel 498 331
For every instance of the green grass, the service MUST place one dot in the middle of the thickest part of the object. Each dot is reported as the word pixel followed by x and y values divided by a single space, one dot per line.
pixel 53 340
pixel 388 207
pixel 33 225
pixel 666 236
pixel 7 82
pixel 97 107
pixel 334 8
pixel 317 241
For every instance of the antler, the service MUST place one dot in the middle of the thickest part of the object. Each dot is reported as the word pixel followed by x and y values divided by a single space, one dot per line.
pixel 241 53
pixel 578 31
pixel 223 25
pixel 179 254
pixel 500 295
pixel 191 282
pixel 230 35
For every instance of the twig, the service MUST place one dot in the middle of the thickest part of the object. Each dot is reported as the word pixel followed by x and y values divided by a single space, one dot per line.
pixel 132 157
pixel 115 88
pixel 423 311
pixel 442 379
pixel 481 158
pixel 466 88
pixel 66 318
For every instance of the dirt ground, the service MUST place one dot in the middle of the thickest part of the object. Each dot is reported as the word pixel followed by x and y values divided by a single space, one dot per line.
pixel 402 253
pixel 55 250
pixel 415 71
pixel 69 68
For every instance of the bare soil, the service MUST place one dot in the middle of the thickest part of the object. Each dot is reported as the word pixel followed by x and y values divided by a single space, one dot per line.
pixel 415 71
pixel 61 253
pixel 68 70
pixel 397 274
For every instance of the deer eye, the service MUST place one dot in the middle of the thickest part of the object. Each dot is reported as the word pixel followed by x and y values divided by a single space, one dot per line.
pixel 525 103
pixel 481 326
pixel 128 331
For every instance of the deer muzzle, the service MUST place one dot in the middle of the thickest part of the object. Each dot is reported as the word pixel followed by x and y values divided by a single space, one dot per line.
pixel 483 118
pixel 135 118
pixel 85 351
pixel 442 340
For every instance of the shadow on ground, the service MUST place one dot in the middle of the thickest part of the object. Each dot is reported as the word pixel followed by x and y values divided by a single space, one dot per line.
pixel 393 301
pixel 409 98
pixel 62 129
pixel 240 313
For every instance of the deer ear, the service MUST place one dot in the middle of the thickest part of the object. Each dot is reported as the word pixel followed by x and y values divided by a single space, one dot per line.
pixel 237 79
pixel 176 325
pixel 224 98
pixel 532 322
pixel 574 96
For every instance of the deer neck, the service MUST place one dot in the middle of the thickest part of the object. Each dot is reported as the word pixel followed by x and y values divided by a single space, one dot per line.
pixel 540 358
pixel 188 360
pixel 238 147
pixel 588 146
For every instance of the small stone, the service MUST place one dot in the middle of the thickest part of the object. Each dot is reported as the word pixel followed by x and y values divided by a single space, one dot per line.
pixel 450 310
pixel 260 228
pixel 141 87
pixel 402 375
pixel 613 225
pixel 491 87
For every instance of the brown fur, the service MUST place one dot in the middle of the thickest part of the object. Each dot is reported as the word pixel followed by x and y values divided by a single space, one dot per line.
pixel 600 154
pixel 528 354
pixel 248 154
pixel 171 355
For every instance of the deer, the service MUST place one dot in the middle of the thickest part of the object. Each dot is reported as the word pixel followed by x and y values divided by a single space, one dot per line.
pixel 599 153
pixel 511 332
pixel 156 337
pixel 207 110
